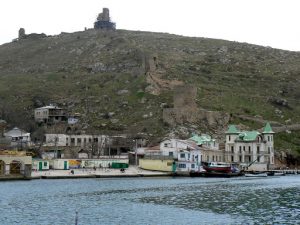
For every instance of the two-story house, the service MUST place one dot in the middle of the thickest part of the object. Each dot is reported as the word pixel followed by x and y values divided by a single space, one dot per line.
pixel 49 114
pixel 172 155
pixel 209 148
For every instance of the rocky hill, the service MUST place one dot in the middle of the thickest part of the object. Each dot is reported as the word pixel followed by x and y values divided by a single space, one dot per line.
pixel 125 82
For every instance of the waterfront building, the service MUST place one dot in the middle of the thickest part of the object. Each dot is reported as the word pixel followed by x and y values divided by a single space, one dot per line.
pixel 59 164
pixel 210 150
pixel 253 150
pixel 15 164
pixel 40 164
pixel 172 155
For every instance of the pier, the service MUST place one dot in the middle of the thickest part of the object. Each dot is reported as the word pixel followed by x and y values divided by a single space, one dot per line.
pixel 98 173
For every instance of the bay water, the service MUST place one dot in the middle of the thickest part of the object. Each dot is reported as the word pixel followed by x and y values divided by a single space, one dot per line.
pixel 164 200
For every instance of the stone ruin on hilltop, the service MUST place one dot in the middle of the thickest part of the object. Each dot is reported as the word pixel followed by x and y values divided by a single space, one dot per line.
pixel 103 21
pixel 23 35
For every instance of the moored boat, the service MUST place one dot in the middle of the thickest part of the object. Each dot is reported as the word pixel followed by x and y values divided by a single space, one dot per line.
pixel 273 173
pixel 219 167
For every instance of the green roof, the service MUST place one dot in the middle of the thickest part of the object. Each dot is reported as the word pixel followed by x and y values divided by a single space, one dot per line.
pixel 248 136
pixel 232 130
pixel 268 129
pixel 201 139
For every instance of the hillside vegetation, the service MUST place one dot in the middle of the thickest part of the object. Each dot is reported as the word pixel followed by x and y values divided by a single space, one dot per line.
pixel 104 76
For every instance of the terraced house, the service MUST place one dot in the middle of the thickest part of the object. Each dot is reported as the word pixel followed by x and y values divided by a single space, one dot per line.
pixel 251 149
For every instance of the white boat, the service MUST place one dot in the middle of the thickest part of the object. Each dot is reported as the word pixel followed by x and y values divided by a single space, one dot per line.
pixel 276 174
pixel 279 174
pixel 256 175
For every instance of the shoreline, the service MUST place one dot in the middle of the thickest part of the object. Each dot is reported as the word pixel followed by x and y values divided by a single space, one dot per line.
pixel 91 173
pixel 131 172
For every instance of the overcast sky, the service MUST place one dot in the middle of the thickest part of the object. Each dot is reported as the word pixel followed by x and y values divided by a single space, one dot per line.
pixel 274 23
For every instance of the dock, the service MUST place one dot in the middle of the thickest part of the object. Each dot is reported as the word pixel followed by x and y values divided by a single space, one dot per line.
pixel 99 173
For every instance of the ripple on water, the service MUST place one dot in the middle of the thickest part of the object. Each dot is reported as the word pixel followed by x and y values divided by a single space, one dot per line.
pixel 151 201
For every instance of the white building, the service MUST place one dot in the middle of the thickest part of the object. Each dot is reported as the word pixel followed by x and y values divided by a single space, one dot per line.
pixel 251 149
pixel 18 138
pixel 40 164
pixel 186 154
pixel 210 150
pixel 73 140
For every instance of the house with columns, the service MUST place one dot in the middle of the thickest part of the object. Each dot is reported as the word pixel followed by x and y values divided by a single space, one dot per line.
pixel 253 150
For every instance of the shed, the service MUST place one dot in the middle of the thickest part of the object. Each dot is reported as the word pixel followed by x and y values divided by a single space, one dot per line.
pixel 60 164
pixel 40 164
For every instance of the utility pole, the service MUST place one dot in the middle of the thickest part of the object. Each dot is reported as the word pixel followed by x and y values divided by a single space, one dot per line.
pixel 109 147
pixel 136 159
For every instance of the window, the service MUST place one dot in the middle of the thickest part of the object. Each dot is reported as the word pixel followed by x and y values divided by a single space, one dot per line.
pixel 240 158
pixel 78 140
pixel 268 138
pixel 258 159
pixel 181 165
pixel 167 145
pixel 232 149
pixel 240 149
pixel 213 158
pixel 95 139
pixel 232 158
pixel 249 149
pixel 229 138
pixel 193 166
pixel 171 154
pixel 182 155
pixel 73 140
pixel 45 163
pixel 244 148
pixel 257 149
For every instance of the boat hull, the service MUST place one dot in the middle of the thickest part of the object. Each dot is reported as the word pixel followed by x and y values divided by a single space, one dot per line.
pixel 214 174
pixel 210 169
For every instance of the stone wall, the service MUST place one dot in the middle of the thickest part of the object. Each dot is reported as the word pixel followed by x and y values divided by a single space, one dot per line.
pixel 186 111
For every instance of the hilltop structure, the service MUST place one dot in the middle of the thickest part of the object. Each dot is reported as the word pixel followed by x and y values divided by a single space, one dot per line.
pixel 22 35
pixel 103 21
